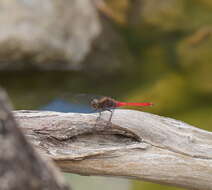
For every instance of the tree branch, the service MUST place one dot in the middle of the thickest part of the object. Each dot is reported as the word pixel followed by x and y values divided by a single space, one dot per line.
pixel 136 145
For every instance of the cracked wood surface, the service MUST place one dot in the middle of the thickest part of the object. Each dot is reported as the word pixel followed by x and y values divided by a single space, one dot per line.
pixel 136 145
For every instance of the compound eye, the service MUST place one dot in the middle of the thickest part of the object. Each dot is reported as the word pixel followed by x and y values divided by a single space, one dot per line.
pixel 94 103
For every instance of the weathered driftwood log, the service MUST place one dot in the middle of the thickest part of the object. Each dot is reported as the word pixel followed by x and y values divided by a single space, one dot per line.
pixel 136 145
pixel 21 168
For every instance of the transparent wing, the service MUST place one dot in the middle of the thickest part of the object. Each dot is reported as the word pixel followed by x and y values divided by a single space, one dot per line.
pixel 70 102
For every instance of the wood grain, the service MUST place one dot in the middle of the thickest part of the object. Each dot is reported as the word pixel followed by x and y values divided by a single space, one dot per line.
pixel 135 145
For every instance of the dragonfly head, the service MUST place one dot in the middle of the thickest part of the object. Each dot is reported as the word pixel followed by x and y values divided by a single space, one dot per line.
pixel 94 103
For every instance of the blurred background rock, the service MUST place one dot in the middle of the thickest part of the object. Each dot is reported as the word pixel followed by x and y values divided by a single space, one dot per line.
pixel 140 50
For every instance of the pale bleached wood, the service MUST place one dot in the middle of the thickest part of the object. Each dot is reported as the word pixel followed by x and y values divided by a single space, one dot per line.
pixel 136 145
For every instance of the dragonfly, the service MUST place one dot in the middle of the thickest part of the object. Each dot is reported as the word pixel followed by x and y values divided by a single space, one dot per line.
pixel 88 103
pixel 109 104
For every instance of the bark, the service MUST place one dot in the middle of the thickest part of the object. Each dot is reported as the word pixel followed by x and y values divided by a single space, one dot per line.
pixel 21 168
pixel 135 145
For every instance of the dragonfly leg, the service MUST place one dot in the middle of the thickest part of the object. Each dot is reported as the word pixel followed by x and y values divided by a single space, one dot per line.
pixel 98 118
pixel 111 114
pixel 109 121
pixel 100 113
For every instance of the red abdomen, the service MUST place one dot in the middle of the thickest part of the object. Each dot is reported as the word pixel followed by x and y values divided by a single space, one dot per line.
pixel 120 104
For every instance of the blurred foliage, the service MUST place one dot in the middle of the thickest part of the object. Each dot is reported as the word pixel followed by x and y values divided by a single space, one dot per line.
pixel 137 185
pixel 196 59
pixel 169 46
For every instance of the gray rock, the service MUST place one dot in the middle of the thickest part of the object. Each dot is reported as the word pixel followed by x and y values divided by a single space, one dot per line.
pixel 46 34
